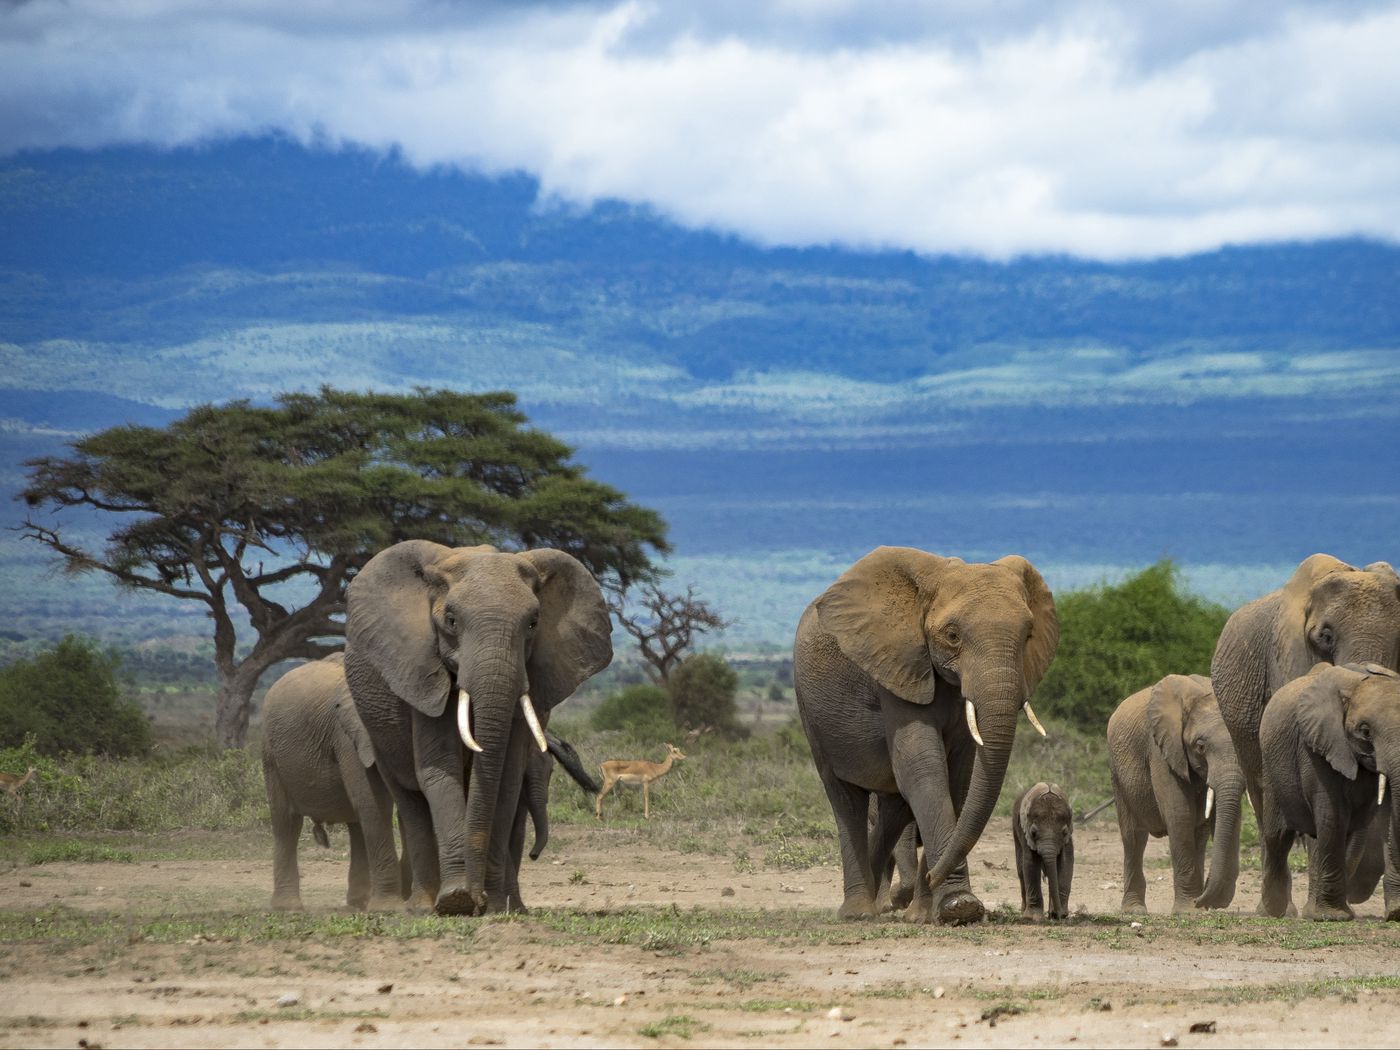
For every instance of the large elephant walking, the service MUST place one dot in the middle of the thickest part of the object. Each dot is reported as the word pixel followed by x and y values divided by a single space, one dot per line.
pixel 455 657
pixel 1328 612
pixel 911 671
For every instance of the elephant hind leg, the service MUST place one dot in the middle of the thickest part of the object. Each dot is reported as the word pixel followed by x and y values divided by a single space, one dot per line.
pixel 1134 837
pixel 287 825
pixel 357 892
pixel 850 805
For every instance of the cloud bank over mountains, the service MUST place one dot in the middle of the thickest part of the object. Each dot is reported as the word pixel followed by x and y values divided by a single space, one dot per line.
pixel 1112 131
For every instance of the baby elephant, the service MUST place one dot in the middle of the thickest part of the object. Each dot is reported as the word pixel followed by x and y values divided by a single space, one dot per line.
pixel 1175 773
pixel 1329 741
pixel 1042 826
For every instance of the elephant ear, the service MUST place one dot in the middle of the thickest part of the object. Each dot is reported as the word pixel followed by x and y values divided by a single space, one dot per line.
pixel 876 611
pixel 1045 629
pixel 388 622
pixel 1166 720
pixel 1291 638
pixel 1321 718
pixel 574 638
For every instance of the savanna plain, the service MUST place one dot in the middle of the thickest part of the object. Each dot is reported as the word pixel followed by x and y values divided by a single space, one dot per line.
pixel 712 923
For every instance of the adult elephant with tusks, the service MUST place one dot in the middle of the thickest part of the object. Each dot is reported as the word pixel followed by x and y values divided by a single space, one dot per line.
pixel 911 671
pixel 455 658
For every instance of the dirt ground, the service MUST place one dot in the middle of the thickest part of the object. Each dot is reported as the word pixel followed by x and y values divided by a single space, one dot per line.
pixel 86 964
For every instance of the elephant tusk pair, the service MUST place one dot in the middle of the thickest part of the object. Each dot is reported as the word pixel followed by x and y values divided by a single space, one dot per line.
pixel 972 721
pixel 464 721
pixel 1210 801
pixel 1380 790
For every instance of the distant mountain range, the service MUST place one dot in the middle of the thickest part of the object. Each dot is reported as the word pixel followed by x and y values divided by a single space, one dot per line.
pixel 786 410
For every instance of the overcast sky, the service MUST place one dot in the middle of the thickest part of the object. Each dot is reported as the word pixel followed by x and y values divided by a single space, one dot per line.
pixel 1108 130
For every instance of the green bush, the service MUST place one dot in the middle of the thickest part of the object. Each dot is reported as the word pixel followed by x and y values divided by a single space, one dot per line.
pixel 643 710
pixel 68 700
pixel 1119 639
pixel 702 692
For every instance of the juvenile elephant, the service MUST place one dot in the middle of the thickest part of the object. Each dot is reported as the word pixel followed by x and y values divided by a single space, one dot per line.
pixel 505 637
pixel 1329 612
pixel 1330 742
pixel 911 671
pixel 318 763
pixel 1042 830
pixel 1175 773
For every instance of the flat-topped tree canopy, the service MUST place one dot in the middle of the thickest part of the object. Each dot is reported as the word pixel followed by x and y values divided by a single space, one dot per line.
pixel 274 508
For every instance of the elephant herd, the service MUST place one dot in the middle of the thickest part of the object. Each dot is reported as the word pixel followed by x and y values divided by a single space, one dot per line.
pixel 911 672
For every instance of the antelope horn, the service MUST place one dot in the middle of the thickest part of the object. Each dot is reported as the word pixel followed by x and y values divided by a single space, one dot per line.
pixel 1380 790
pixel 464 720
pixel 1210 801
pixel 1034 721
pixel 972 722
pixel 533 720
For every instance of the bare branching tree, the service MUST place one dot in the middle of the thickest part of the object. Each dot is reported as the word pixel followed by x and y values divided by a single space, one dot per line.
pixel 665 626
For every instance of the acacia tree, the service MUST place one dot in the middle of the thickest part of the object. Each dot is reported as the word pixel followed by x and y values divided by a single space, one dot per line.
pixel 273 509
pixel 664 626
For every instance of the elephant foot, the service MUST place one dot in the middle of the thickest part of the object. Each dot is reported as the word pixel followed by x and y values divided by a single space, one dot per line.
pixel 1211 901
pixel 287 904
pixel 1033 914
pixel 357 903
pixel 1133 907
pixel 1276 909
pixel 1392 913
pixel 384 903
pixel 1328 912
pixel 1187 906
pixel 420 900
pixel 960 908
pixel 900 897
pixel 856 909
pixel 920 910
pixel 456 900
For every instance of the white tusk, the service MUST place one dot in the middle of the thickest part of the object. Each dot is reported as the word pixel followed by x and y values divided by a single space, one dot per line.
pixel 533 720
pixel 972 723
pixel 1034 721
pixel 464 720
pixel 1380 791
pixel 1210 801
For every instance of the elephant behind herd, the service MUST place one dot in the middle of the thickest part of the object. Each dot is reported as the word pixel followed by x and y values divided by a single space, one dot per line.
pixel 911 672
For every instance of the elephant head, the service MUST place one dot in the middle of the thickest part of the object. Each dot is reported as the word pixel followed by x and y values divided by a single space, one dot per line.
pixel 1047 826
pixel 1337 614
pixel 1350 716
pixel 503 636
pixel 910 620
pixel 1189 734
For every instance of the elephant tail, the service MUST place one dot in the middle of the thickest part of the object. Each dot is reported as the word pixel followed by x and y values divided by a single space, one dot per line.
pixel 318 832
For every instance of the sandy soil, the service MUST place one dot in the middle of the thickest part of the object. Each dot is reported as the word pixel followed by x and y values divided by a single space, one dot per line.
pixel 1087 982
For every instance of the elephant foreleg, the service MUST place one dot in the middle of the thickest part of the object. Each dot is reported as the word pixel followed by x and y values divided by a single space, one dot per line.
pixel 419 845
pixel 849 806
pixel 892 817
pixel 1028 871
pixel 382 875
pixel 1327 872
pixel 1066 865
pixel 1275 840
pixel 1366 858
pixel 1134 837
pixel 357 893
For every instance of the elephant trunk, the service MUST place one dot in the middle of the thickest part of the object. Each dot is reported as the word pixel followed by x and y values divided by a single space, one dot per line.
pixel 1229 788
pixel 495 699
pixel 1050 861
pixel 537 802
pixel 996 721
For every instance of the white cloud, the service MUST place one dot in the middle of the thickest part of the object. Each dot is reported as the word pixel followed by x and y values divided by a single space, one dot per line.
pixel 1103 130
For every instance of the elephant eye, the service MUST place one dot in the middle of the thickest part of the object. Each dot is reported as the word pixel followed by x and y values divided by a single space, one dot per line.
pixel 951 634
pixel 1363 731
pixel 533 624
pixel 1325 638
pixel 450 620
pixel 1201 746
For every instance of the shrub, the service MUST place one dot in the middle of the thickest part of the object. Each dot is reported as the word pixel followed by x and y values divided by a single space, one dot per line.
pixel 1119 639
pixel 643 710
pixel 702 694
pixel 69 700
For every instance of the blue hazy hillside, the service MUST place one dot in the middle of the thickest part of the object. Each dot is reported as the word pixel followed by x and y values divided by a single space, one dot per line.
pixel 785 409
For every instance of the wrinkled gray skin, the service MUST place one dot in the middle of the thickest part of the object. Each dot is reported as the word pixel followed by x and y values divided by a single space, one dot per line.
pixel 425 621
pixel 882 664
pixel 317 763
pixel 1166 746
pixel 1324 738
pixel 1042 830
pixel 903 860
pixel 1328 612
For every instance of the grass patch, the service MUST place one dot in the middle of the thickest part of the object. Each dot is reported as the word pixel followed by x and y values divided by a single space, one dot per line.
pixel 679 1025
pixel 308 1014
pixel 761 1006
pixel 739 978
pixel 1345 988
pixel 76 852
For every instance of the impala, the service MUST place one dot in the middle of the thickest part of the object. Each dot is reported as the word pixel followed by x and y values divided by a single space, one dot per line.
pixel 635 772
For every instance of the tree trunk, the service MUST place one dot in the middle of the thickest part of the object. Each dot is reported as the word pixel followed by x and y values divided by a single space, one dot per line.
pixel 235 707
